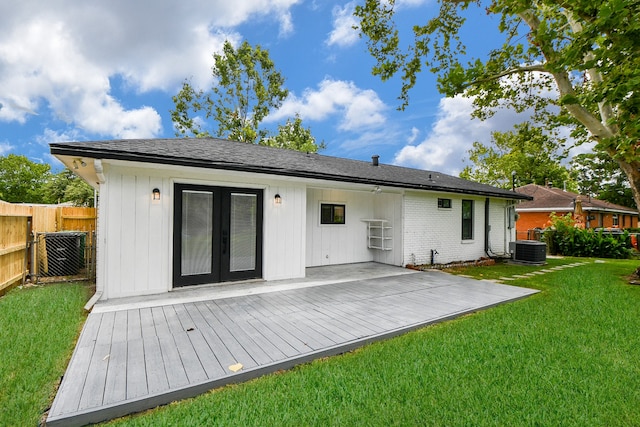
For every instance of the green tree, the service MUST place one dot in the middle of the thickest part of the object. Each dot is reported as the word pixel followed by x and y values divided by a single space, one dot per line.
pixel 66 186
pixel 21 180
pixel 600 176
pixel 586 52
pixel 56 185
pixel 527 154
pixel 79 193
pixel 246 88
pixel 293 135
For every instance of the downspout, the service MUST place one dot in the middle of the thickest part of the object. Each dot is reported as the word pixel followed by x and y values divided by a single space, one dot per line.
pixel 487 227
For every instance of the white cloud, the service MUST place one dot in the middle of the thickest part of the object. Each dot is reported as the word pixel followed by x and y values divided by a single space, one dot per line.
pixel 50 136
pixel 12 108
pixel 286 24
pixel 61 55
pixel 411 3
pixel 415 132
pixel 5 147
pixel 343 33
pixel 359 108
pixel 452 135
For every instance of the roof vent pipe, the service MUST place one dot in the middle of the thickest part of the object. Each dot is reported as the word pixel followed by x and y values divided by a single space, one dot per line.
pixel 374 160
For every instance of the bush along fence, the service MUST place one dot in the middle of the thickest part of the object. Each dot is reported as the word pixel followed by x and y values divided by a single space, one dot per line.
pixel 38 242
pixel 564 238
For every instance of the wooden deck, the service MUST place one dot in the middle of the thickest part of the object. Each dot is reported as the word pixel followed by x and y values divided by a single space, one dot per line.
pixel 132 359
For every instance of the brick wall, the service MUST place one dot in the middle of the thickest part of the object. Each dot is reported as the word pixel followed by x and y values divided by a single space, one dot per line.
pixel 530 220
pixel 428 227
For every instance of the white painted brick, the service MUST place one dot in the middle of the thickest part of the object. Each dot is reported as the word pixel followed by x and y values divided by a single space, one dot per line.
pixel 428 227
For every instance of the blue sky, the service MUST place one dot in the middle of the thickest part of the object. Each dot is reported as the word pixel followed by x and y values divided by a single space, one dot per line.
pixel 107 69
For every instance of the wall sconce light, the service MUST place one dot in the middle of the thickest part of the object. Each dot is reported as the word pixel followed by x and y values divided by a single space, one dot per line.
pixel 79 162
pixel 155 194
pixel 277 199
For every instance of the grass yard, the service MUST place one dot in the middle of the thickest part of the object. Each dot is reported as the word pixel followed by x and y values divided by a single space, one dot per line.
pixel 38 329
pixel 567 356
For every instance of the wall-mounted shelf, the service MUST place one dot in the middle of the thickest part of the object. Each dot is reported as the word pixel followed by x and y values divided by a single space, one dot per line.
pixel 379 234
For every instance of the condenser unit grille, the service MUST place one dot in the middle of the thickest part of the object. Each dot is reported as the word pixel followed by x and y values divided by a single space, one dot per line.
pixel 530 251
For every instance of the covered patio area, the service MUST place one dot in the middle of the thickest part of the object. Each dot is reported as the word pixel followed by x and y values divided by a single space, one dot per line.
pixel 135 354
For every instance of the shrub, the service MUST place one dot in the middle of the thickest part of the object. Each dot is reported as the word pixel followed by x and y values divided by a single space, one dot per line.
pixel 569 240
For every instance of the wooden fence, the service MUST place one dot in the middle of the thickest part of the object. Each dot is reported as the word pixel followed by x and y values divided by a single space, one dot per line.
pixel 18 224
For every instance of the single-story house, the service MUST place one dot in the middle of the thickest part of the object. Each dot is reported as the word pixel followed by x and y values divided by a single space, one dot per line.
pixel 178 212
pixel 535 213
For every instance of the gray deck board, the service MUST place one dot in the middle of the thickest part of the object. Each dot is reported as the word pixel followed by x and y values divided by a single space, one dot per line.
pixel 120 327
pixel 135 369
pixel 115 389
pixel 70 391
pixel 216 345
pixel 240 333
pixel 207 357
pixel 148 329
pixel 176 374
pixel 134 328
pixel 160 322
pixel 93 391
pixel 189 358
pixel 157 380
pixel 294 344
pixel 230 339
pixel 309 337
pixel 132 359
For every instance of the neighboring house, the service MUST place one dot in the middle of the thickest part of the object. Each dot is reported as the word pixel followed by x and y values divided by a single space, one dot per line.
pixel 176 212
pixel 535 214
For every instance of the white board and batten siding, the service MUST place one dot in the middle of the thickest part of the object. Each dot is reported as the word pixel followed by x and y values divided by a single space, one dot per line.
pixel 389 207
pixel 428 227
pixel 331 244
pixel 136 233
pixel 284 232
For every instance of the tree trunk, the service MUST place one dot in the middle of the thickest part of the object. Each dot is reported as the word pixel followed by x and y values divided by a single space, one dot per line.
pixel 632 170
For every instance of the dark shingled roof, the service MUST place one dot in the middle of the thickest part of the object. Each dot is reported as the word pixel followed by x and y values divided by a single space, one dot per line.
pixel 556 199
pixel 213 153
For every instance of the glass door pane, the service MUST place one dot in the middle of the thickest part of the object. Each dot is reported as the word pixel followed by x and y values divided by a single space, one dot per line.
pixel 197 232
pixel 243 228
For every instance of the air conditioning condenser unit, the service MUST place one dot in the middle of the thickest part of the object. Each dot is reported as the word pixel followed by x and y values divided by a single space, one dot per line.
pixel 529 251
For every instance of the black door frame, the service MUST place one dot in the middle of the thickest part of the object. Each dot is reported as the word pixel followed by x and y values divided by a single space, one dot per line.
pixel 221 241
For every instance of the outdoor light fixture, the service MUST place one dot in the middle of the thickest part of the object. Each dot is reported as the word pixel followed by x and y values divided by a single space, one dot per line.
pixel 156 194
pixel 277 200
pixel 80 162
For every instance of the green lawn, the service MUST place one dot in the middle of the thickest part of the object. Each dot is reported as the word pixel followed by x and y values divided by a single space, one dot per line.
pixel 38 329
pixel 567 356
